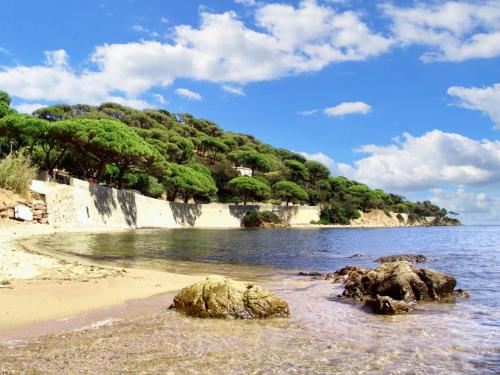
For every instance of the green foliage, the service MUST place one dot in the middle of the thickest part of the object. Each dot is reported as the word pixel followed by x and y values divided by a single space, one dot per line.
pixel 316 171
pixel 247 188
pixel 339 213
pixel 4 98
pixel 5 109
pixel 188 183
pixel 255 219
pixel 289 191
pixel 297 172
pixel 148 185
pixel 16 173
pixel 251 159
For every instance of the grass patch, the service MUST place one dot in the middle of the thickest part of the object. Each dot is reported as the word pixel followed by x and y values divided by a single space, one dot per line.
pixel 16 173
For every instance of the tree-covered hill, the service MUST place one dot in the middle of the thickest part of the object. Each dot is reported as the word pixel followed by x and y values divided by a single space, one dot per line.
pixel 177 156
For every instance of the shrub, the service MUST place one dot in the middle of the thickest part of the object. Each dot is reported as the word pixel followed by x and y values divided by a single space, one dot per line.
pixel 16 173
pixel 255 219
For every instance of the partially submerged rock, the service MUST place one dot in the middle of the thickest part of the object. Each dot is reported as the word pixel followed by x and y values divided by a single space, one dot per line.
pixel 221 297
pixel 387 306
pixel 462 293
pixel 399 282
pixel 412 258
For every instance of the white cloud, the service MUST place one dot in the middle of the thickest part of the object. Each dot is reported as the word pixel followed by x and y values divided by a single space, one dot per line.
pixel 421 163
pixel 307 112
pixel 476 208
pixel 348 108
pixel 28 107
pixel 233 90
pixel 247 3
pixel 188 94
pixel 159 99
pixel 4 51
pixel 57 58
pixel 456 30
pixel 484 99
pixel 142 29
pixel 287 40
pixel 324 159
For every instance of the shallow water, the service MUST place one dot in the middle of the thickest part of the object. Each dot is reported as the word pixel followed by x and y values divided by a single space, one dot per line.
pixel 324 334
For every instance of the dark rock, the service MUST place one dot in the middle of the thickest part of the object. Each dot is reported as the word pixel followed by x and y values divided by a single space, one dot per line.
pixel 462 293
pixel 412 258
pixel 400 281
pixel 387 306
pixel 357 255
pixel 221 297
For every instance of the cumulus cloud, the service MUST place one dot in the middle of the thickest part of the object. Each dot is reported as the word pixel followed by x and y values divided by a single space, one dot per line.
pixel 282 40
pixel 477 208
pixel 287 40
pixel 324 159
pixel 188 94
pixel 28 107
pixel 348 108
pixel 455 30
pixel 483 99
pixel 421 163
pixel 233 90
pixel 159 99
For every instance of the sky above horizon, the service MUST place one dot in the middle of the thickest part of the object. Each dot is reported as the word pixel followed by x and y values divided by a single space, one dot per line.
pixel 401 95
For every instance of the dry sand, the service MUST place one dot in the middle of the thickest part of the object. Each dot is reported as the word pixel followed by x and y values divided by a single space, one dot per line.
pixel 36 287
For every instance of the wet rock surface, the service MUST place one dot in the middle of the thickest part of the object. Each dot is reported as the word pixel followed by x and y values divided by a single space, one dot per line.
pixel 391 287
pixel 319 275
pixel 222 297
pixel 387 306
pixel 412 258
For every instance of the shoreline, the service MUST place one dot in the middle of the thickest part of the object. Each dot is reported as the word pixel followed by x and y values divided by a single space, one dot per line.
pixel 40 287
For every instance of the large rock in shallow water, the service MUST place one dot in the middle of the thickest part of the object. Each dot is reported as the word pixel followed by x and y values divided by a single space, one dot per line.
pixel 399 281
pixel 221 297
pixel 412 258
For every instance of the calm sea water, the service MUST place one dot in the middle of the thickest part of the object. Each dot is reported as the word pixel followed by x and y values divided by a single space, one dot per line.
pixel 324 334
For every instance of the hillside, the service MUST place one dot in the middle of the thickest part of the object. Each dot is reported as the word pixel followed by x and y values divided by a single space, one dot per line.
pixel 177 156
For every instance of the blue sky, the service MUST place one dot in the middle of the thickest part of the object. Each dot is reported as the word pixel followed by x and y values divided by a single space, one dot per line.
pixel 401 95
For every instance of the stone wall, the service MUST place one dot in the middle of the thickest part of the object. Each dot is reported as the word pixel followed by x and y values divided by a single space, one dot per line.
pixel 85 204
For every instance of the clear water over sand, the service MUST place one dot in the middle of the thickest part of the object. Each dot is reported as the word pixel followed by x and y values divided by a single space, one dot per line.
pixel 324 335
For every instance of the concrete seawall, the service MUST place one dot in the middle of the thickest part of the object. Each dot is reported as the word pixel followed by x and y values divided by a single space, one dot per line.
pixel 99 206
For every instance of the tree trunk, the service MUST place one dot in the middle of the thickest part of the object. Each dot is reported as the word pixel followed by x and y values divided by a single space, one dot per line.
pixel 245 200
pixel 100 170
pixel 56 162
pixel 287 201
pixel 123 169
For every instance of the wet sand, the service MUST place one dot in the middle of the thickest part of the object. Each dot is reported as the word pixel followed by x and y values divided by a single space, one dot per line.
pixel 40 287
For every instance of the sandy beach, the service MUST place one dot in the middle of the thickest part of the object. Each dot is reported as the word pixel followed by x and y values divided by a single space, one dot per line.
pixel 38 287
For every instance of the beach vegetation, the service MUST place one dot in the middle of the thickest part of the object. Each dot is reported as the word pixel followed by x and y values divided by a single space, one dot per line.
pixel 16 173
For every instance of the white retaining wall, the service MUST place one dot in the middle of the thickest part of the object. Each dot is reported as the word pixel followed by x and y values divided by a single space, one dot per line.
pixel 81 203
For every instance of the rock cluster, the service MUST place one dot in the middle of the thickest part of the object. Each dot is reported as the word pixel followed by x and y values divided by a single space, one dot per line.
pixel 395 287
pixel 221 297
pixel 35 210
pixel 412 258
